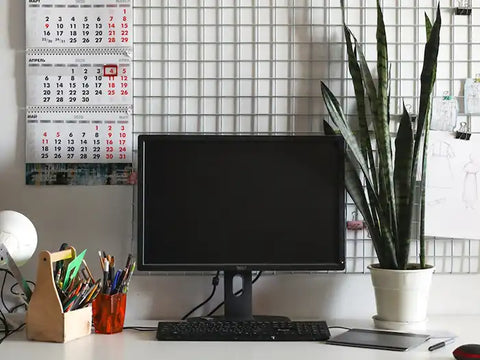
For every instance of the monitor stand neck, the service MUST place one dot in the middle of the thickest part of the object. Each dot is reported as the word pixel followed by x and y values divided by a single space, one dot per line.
pixel 238 307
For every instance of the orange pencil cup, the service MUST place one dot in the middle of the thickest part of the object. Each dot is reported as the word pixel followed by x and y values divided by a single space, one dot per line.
pixel 109 313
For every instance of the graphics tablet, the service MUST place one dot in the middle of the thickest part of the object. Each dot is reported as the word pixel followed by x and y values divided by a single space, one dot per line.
pixel 375 339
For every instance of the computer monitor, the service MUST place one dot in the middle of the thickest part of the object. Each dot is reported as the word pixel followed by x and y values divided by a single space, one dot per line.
pixel 239 203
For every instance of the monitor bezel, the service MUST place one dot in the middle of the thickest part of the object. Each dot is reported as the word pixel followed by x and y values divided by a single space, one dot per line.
pixel 339 265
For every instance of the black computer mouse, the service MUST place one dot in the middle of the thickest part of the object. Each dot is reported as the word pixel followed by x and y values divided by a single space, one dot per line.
pixel 467 351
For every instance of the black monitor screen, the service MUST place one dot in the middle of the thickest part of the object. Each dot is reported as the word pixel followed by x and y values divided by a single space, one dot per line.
pixel 220 202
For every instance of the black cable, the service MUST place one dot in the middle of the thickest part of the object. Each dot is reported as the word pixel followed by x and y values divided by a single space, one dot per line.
pixel 236 294
pixel 140 328
pixel 18 306
pixel 2 288
pixel 6 272
pixel 4 321
pixel 215 281
pixel 339 327
pixel 16 284
pixel 8 333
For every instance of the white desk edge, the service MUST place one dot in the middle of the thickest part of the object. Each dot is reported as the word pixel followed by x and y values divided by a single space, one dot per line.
pixel 131 344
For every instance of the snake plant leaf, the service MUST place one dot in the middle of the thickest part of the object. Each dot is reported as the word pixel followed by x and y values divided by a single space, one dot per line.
pixel 386 197
pixel 368 82
pixel 384 249
pixel 357 193
pixel 363 134
pixel 381 123
pixel 374 214
pixel 377 125
pixel 428 28
pixel 389 93
pixel 422 194
pixel 382 68
pixel 354 69
pixel 338 118
pixel 427 79
pixel 371 91
pixel 336 115
pixel 403 186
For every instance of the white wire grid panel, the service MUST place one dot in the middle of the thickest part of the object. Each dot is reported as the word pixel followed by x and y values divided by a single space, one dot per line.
pixel 255 66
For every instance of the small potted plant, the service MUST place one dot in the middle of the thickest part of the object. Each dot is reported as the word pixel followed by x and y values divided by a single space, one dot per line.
pixel 382 182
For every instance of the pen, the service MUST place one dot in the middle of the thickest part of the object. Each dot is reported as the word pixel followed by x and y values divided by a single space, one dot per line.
pixel 127 280
pixel 112 268
pixel 105 275
pixel 59 264
pixel 92 292
pixel 101 260
pixel 441 344
pixel 115 282
pixel 129 259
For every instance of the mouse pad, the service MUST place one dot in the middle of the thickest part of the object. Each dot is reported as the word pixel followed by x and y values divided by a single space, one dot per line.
pixel 375 339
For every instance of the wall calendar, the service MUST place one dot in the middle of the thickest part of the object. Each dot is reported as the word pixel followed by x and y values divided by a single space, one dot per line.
pixel 90 23
pixel 79 92
pixel 78 77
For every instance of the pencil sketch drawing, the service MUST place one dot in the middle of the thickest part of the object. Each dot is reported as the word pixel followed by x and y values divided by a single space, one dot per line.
pixel 470 183
pixel 452 197
pixel 441 174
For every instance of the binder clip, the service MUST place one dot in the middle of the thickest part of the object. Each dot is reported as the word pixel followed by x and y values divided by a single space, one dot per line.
pixel 464 7
pixel 463 133
pixel 355 224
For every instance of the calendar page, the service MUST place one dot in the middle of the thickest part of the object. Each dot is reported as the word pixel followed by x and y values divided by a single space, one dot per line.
pixel 75 140
pixel 78 77
pixel 72 23
pixel 79 92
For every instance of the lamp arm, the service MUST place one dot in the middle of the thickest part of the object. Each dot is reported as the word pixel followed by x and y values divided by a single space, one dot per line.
pixel 16 272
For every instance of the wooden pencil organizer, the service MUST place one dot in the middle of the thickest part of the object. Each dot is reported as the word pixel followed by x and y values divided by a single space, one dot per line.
pixel 46 320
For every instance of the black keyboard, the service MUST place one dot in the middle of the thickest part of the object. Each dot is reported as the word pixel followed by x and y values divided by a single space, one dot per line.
pixel 223 330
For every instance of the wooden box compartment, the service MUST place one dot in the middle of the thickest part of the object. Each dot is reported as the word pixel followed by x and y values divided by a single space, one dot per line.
pixel 46 320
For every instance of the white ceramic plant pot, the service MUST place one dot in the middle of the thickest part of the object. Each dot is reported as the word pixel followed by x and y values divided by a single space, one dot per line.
pixel 401 297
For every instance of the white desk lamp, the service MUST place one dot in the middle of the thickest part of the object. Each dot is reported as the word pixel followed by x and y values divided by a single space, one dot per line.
pixel 18 241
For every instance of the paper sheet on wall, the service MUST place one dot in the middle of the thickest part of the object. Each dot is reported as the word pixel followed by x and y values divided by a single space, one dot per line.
pixel 58 77
pixel 79 146
pixel 452 187
pixel 79 92
pixel 67 23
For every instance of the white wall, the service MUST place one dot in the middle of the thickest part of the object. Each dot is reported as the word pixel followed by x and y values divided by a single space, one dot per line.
pixel 100 218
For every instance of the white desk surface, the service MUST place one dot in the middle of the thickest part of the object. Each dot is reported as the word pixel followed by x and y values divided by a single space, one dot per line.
pixel 135 345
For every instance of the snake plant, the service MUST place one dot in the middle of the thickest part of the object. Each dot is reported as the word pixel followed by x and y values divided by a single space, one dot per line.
pixel 383 186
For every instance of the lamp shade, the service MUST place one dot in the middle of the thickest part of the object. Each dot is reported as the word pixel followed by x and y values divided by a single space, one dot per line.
pixel 18 235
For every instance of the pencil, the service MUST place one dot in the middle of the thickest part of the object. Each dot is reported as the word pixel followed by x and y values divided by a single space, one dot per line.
pixel 101 260
pixel 88 271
